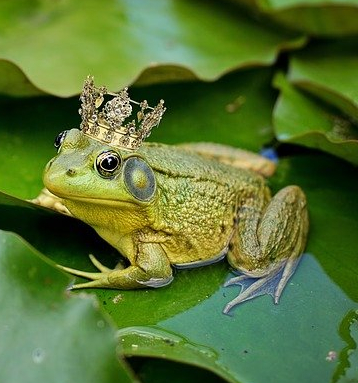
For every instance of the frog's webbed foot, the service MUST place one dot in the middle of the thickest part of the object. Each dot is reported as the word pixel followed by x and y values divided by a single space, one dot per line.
pixel 272 284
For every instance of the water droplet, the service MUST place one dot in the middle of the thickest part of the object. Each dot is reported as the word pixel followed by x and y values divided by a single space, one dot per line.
pixel 117 298
pixel 38 355
pixel 331 356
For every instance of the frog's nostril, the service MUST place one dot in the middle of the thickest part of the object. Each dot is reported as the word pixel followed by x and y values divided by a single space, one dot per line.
pixel 71 172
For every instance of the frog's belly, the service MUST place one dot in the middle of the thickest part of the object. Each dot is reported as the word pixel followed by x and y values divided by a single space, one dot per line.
pixel 203 262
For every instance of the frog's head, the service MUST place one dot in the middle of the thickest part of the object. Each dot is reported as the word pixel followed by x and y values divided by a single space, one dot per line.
pixel 86 171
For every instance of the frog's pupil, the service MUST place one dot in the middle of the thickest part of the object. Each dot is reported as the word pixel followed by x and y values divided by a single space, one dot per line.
pixel 109 163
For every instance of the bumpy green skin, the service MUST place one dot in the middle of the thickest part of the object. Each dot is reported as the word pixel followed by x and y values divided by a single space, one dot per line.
pixel 201 208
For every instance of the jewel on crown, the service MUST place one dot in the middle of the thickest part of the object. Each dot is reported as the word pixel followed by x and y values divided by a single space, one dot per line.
pixel 106 122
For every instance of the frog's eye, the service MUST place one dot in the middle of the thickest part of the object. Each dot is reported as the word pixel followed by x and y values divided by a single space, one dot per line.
pixel 59 140
pixel 139 179
pixel 108 163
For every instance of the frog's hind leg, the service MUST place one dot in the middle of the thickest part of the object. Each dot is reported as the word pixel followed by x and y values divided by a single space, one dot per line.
pixel 235 157
pixel 269 244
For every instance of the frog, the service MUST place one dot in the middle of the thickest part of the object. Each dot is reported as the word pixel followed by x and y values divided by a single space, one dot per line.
pixel 166 207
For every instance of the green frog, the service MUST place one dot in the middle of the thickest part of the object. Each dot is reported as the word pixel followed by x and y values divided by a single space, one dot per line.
pixel 179 206
pixel 182 206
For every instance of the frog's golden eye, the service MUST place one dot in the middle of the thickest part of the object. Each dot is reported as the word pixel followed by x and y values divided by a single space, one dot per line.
pixel 139 178
pixel 59 140
pixel 108 163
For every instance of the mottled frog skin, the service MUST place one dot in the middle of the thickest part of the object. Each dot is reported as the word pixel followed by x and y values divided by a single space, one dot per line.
pixel 179 206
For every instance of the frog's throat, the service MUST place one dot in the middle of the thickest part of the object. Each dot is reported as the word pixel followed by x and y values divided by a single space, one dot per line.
pixel 203 262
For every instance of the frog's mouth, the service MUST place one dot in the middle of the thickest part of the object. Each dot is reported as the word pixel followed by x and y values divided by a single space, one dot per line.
pixel 93 200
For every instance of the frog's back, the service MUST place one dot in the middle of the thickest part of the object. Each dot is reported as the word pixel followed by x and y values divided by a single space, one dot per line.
pixel 178 162
pixel 199 198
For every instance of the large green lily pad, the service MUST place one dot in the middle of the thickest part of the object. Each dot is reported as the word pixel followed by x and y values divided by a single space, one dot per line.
pixel 46 334
pixel 119 42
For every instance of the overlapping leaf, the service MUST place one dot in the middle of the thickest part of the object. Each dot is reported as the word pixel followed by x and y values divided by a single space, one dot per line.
pixel 328 71
pixel 45 334
pixel 58 44
pixel 304 120
pixel 315 17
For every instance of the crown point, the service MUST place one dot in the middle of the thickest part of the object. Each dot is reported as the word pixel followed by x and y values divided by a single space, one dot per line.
pixel 106 124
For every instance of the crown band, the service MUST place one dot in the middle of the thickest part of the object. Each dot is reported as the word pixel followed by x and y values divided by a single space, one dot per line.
pixel 106 124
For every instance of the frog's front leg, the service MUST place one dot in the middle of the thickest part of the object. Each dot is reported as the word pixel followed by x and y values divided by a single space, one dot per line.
pixel 49 200
pixel 151 269
pixel 269 242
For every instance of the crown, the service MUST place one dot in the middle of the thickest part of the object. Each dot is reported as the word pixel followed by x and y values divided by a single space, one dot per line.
pixel 105 122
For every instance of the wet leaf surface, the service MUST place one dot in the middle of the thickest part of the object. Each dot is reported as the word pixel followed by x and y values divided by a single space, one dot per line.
pixel 152 41
pixel 45 331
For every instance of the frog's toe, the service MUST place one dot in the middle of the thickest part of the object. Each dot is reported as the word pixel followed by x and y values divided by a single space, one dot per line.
pixel 272 284
pixel 236 280
pixel 98 264
pixel 96 279
pixel 79 273
pixel 99 283
pixel 250 288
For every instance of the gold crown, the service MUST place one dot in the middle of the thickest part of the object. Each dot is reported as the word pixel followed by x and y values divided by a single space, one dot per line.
pixel 107 124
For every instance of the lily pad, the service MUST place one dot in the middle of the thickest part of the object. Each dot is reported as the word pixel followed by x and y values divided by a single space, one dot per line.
pixel 314 17
pixel 120 42
pixel 51 335
pixel 13 81
pixel 151 341
pixel 304 120
pixel 328 71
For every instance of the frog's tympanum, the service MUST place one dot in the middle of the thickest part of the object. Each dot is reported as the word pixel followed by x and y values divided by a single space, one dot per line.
pixel 165 207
